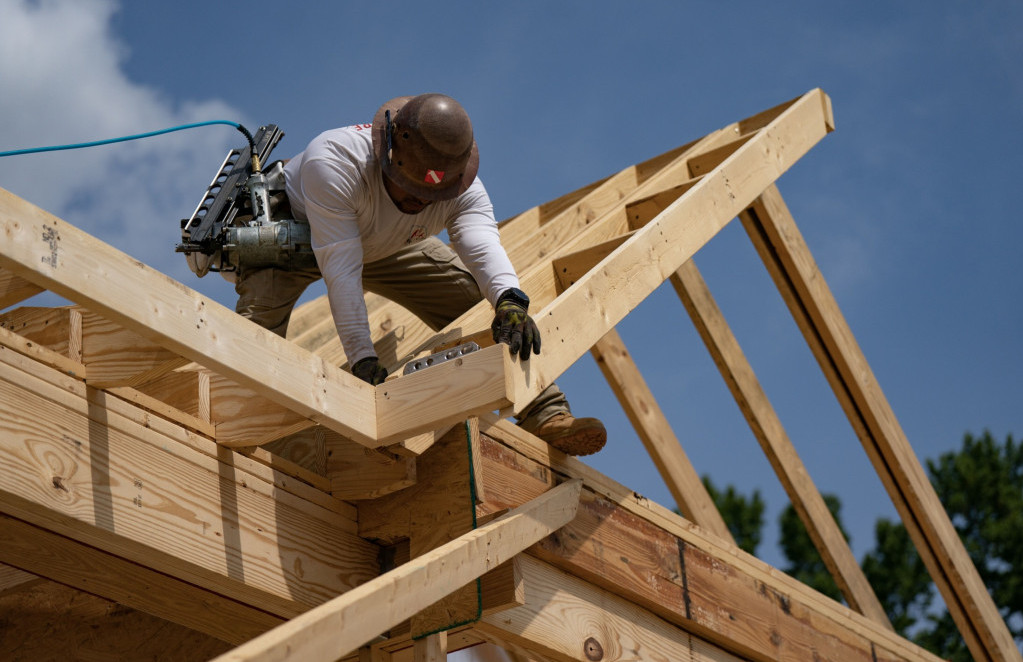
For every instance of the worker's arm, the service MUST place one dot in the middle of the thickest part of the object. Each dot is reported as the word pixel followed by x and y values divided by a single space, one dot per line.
pixel 331 212
pixel 476 239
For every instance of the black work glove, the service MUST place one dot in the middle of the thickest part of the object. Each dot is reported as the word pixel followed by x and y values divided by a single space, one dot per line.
pixel 370 370
pixel 513 326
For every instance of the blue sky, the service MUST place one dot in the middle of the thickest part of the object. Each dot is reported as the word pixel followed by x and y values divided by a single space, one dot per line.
pixel 910 207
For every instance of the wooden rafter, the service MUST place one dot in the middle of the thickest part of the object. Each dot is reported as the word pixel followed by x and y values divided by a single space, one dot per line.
pixel 110 463
pixel 781 245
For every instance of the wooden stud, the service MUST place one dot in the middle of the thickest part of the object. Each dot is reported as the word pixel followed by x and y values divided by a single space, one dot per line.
pixel 431 648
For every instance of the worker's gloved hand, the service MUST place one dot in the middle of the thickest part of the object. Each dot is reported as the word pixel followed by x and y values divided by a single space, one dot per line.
pixel 513 326
pixel 370 370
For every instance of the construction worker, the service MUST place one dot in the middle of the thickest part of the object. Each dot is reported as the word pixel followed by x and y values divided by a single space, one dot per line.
pixel 375 197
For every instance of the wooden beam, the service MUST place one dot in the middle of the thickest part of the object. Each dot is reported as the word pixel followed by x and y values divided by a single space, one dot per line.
pixel 244 417
pixel 584 313
pixel 447 393
pixel 22 345
pixel 569 620
pixel 57 329
pixel 14 289
pixel 356 472
pixel 55 622
pixel 767 428
pixel 804 288
pixel 125 483
pixel 338 627
pixel 60 257
pixel 650 556
pixel 89 569
pixel 657 436
pixel 12 579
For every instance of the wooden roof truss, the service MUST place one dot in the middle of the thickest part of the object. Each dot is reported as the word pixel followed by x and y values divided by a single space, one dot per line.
pixel 283 506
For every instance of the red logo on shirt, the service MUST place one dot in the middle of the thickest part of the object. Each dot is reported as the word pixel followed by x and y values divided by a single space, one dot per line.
pixel 418 234
pixel 434 176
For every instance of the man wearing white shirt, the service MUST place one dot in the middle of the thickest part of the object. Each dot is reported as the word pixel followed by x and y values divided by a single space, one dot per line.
pixel 375 196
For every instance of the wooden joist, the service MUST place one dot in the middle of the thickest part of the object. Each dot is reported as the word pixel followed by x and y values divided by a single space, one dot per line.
pixel 59 257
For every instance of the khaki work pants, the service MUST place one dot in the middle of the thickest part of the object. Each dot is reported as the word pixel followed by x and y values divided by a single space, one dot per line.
pixel 427 278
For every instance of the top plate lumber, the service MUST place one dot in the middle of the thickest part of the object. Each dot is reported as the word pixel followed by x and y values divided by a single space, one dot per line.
pixel 652 557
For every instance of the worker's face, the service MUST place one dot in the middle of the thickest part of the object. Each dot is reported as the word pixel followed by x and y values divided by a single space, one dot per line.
pixel 403 200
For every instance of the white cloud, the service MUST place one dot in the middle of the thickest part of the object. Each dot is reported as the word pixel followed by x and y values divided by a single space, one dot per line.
pixel 63 82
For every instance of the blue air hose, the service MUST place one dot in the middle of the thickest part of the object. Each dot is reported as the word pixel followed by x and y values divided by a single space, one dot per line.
pixel 54 148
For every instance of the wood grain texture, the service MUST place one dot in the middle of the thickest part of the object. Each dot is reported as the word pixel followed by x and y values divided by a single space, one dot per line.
pixel 340 626
pixel 767 428
pixel 805 290
pixel 58 256
pixel 73 466
pixel 657 560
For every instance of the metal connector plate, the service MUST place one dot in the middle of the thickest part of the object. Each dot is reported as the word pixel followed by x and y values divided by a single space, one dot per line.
pixel 440 357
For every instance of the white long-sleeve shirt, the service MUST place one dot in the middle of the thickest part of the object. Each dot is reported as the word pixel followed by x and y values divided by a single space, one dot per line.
pixel 336 184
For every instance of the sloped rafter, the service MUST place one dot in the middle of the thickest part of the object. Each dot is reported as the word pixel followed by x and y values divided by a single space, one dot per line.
pixel 788 260
pixel 702 588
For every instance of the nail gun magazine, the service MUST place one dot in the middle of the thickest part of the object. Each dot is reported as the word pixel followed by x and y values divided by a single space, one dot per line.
pixel 243 220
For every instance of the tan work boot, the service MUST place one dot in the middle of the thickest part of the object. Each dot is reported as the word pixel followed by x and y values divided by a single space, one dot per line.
pixel 572 436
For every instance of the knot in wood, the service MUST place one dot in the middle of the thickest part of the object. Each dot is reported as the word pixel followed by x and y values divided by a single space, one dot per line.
pixel 593 650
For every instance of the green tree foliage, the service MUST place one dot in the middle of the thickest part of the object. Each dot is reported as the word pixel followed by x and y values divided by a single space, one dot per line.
pixel 805 563
pixel 743 515
pixel 981 487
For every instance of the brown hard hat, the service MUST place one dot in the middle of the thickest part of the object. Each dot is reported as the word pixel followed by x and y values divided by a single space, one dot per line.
pixel 427 149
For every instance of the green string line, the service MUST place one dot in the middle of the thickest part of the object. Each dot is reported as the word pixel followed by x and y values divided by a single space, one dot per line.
pixel 472 507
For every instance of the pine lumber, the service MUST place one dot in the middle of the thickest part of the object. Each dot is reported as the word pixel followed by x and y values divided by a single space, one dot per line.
pixel 584 313
pixel 14 289
pixel 568 619
pixel 787 257
pixel 61 258
pixel 73 465
pixel 12 579
pixel 655 432
pixel 90 569
pixel 54 622
pixel 341 625
pixel 767 428
pixel 647 555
